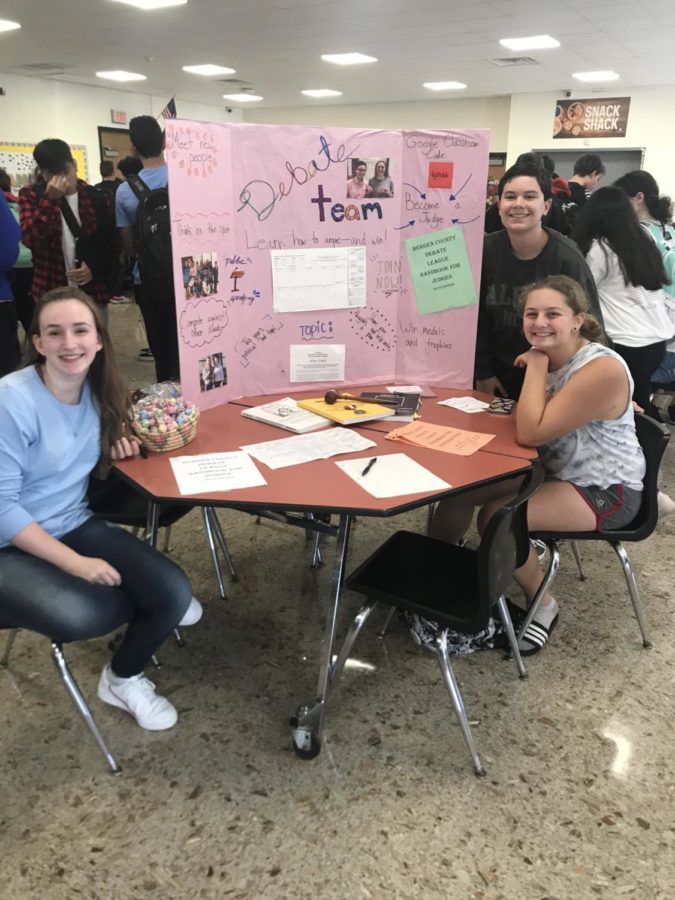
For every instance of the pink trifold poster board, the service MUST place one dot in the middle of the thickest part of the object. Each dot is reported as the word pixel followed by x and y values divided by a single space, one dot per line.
pixel 314 257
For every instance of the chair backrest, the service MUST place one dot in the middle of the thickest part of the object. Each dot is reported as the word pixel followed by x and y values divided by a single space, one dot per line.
pixel 653 437
pixel 505 544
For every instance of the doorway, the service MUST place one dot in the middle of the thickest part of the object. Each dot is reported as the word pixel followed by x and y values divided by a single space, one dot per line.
pixel 114 144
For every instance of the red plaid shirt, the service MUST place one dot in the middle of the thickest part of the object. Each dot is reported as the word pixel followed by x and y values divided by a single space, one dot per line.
pixel 41 230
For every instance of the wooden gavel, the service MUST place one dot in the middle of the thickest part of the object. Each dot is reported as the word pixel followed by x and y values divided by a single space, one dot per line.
pixel 333 396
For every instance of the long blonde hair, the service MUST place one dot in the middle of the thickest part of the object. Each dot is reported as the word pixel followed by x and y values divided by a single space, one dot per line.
pixel 104 377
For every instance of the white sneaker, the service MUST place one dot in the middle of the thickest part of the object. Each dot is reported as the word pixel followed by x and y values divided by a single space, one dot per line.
pixel 665 503
pixel 136 695
pixel 193 613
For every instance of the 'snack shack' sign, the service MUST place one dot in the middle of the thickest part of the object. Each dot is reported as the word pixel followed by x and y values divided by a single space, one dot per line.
pixel 601 118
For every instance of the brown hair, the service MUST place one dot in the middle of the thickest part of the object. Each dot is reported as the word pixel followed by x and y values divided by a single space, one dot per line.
pixel 104 377
pixel 575 298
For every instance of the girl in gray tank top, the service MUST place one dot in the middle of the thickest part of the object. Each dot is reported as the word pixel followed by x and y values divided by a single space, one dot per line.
pixel 575 405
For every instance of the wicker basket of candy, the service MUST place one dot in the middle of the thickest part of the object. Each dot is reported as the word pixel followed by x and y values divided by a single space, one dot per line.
pixel 165 423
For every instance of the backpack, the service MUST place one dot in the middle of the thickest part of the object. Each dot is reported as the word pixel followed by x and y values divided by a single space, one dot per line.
pixel 152 233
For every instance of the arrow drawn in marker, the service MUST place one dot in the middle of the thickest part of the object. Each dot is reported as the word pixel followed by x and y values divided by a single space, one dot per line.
pixel 454 196
pixel 423 196
pixel 407 225
pixel 465 222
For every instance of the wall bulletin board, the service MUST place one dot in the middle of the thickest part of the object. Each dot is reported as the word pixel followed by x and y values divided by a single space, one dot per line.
pixel 17 160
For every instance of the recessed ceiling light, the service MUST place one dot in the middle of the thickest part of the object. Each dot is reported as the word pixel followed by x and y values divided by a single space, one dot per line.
pixel 7 25
pixel 322 92
pixel 595 76
pixel 119 75
pixel 348 59
pixel 444 85
pixel 538 42
pixel 152 4
pixel 242 98
pixel 208 69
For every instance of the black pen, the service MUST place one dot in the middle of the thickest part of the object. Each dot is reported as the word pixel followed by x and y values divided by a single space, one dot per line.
pixel 369 466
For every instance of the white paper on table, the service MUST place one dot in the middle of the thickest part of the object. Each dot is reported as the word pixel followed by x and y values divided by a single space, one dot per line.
pixel 318 279
pixel 209 472
pixel 317 362
pixel 302 448
pixel 405 389
pixel 392 475
pixel 465 404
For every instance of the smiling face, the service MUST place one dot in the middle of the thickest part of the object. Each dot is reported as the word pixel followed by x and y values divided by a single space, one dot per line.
pixel 379 170
pixel 360 173
pixel 522 205
pixel 548 321
pixel 68 339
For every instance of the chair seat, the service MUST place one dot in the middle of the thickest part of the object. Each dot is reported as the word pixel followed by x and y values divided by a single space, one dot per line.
pixel 119 503
pixel 426 576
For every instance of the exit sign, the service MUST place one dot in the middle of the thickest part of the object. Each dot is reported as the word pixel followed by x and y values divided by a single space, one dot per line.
pixel 118 116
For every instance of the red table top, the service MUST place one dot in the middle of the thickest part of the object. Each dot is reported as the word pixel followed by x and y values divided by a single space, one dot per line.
pixel 315 486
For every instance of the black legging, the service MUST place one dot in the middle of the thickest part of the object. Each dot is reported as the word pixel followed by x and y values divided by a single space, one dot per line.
pixel 642 361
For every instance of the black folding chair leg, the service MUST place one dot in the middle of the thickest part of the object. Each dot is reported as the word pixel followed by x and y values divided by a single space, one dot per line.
pixel 577 557
pixel 543 587
pixel 456 697
pixel 620 551
pixel 81 705
pixel 505 616
pixel 11 637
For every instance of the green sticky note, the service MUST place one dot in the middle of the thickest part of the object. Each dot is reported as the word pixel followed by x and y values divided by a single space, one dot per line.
pixel 440 271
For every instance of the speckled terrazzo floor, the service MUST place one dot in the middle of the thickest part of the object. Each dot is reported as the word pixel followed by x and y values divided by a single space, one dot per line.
pixel 577 803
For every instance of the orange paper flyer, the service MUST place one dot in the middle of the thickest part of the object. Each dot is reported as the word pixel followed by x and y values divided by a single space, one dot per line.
pixel 441 437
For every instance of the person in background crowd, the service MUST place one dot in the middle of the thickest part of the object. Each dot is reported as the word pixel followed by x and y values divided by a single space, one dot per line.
pixel 588 170
pixel 109 182
pixel 655 215
pixel 629 274
pixel 158 307
pixel 44 209
pixel 524 252
pixel 132 165
pixel 22 274
pixel 9 250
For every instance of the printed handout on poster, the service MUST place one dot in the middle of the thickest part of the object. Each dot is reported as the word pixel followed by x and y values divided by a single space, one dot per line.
pixel 326 278
pixel 317 363
pixel 212 372
pixel 440 271
pixel 200 275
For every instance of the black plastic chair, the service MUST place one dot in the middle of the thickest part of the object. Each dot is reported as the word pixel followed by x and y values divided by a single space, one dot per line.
pixel 454 586
pixel 73 690
pixel 653 438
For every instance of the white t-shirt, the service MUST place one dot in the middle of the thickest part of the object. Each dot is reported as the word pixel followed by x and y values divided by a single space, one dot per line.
pixel 67 236
pixel 634 316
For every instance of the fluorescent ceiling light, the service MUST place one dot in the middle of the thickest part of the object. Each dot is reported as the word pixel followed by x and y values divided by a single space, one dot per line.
pixel 119 75
pixel 7 25
pixel 208 69
pixel 322 92
pixel 444 85
pixel 595 76
pixel 152 4
pixel 242 98
pixel 348 59
pixel 538 42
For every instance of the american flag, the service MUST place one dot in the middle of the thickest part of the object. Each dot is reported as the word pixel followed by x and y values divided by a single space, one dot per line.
pixel 169 111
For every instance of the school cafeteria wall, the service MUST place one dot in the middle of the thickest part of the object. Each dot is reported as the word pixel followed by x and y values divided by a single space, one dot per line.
pixel 37 108
pixel 650 125
pixel 482 112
